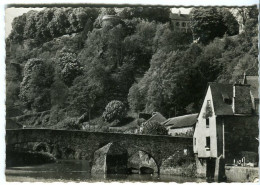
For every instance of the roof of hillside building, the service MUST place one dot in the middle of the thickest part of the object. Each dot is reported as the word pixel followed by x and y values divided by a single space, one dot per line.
pixel 158 117
pixel 181 17
pixel 106 17
pixel 254 84
pixel 181 121
pixel 220 91
pixel 222 94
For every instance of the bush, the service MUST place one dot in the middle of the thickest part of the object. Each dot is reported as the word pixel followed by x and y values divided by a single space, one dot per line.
pixel 70 67
pixel 68 124
pixel 154 128
pixel 140 121
pixel 115 110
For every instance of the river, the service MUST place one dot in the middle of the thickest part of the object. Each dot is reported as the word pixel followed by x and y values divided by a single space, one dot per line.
pixel 76 170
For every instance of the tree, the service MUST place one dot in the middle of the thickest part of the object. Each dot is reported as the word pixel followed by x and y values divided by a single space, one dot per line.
pixel 229 21
pixel 154 128
pixel 206 24
pixel 135 99
pixel 115 110
pixel 12 96
pixel 18 25
pixel 146 13
pixel 59 23
pixel 59 92
pixel 42 20
pixel 247 64
pixel 34 89
pixel 84 95
pixel 30 26
pixel 78 17
pixel 251 27
pixel 168 39
pixel 138 47
pixel 70 67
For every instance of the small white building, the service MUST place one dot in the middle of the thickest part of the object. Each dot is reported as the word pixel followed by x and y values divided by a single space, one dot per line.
pixel 181 125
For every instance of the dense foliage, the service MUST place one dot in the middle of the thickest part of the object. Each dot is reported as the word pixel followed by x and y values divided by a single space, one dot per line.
pixel 50 23
pixel 66 61
pixel 208 23
pixel 115 110
pixel 34 91
pixel 153 128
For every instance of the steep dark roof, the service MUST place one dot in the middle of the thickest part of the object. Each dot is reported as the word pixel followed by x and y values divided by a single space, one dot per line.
pixel 218 92
pixel 181 17
pixel 157 117
pixel 181 121
pixel 254 85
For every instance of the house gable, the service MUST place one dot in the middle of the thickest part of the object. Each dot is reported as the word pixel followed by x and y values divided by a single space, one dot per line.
pixel 208 99
pixel 206 128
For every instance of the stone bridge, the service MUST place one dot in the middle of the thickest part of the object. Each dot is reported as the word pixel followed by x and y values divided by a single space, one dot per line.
pixel 64 144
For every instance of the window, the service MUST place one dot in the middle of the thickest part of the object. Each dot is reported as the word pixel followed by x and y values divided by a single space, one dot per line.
pixel 207 143
pixel 177 24
pixel 207 122
pixel 185 152
pixel 208 102
pixel 183 24
pixel 257 106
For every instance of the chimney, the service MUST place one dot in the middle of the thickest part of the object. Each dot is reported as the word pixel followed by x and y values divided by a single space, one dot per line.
pixel 242 103
pixel 179 13
pixel 244 78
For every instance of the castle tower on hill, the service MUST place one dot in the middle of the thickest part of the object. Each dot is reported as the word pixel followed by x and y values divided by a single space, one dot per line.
pixel 110 20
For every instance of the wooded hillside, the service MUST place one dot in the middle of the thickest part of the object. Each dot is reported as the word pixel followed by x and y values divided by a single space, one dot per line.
pixel 62 64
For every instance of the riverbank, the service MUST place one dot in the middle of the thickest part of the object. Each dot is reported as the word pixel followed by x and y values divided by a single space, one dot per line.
pixel 19 158
pixel 76 171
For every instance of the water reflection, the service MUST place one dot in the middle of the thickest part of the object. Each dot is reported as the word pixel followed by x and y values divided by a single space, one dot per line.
pixel 77 170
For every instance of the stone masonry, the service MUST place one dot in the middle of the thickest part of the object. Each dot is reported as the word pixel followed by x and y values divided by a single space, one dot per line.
pixel 66 144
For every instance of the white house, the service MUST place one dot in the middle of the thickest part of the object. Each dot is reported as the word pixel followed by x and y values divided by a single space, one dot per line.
pixel 227 125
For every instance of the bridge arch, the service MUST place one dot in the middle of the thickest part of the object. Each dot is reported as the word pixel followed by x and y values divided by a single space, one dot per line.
pixel 142 159
pixel 42 147
pixel 110 159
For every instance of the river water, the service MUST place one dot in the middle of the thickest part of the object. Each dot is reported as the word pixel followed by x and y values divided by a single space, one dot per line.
pixel 77 170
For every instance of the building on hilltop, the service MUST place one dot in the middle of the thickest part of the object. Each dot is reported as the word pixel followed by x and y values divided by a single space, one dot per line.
pixel 227 126
pixel 110 20
pixel 181 125
pixel 180 22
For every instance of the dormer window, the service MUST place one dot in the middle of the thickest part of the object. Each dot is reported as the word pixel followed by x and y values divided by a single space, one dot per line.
pixel 226 98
